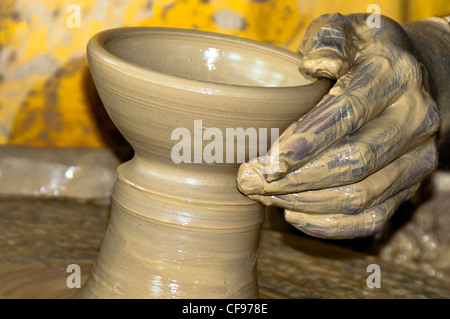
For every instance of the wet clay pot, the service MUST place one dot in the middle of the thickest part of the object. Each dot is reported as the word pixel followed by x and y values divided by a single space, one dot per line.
pixel 183 230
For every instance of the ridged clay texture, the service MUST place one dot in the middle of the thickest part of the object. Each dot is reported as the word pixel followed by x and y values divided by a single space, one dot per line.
pixel 184 230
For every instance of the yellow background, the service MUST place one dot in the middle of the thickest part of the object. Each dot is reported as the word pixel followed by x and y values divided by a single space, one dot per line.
pixel 47 97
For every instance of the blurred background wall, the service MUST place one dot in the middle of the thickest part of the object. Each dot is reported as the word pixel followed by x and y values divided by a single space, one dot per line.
pixel 47 97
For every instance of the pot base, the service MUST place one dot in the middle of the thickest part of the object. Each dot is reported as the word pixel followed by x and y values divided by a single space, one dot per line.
pixel 161 246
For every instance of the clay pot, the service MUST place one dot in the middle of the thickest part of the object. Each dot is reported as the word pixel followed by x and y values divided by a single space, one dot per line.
pixel 184 230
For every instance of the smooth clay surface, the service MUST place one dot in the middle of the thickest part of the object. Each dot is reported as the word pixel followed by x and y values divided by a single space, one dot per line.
pixel 184 230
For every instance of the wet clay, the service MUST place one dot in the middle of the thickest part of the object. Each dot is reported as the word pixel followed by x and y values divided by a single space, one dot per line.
pixel 40 237
pixel 347 165
pixel 184 230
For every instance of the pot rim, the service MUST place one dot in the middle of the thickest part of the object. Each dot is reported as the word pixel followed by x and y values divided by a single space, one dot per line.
pixel 96 47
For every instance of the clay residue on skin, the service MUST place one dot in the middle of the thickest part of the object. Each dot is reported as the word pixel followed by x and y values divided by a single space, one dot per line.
pixel 347 164
pixel 431 38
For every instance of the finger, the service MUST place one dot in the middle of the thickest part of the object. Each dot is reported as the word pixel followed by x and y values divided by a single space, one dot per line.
pixel 327 47
pixel 355 99
pixel 409 122
pixel 333 42
pixel 402 173
pixel 377 78
pixel 341 226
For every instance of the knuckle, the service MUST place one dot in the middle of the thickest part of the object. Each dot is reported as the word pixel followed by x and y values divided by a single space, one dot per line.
pixel 362 160
pixel 367 223
pixel 372 222
pixel 353 199
pixel 351 114
pixel 409 67
pixel 432 117
pixel 323 25
pixel 433 157
pixel 425 159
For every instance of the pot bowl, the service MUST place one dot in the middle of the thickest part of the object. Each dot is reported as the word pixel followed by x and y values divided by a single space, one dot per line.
pixel 188 102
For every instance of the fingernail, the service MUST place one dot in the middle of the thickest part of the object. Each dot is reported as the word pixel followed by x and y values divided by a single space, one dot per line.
pixel 295 219
pixel 275 171
pixel 250 182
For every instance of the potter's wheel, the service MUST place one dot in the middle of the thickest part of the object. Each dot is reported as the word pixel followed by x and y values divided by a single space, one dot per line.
pixel 39 238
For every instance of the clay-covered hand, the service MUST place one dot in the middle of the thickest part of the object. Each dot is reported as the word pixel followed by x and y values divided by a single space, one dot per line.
pixel 343 169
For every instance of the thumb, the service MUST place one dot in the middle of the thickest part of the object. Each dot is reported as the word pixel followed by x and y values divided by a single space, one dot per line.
pixel 328 47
